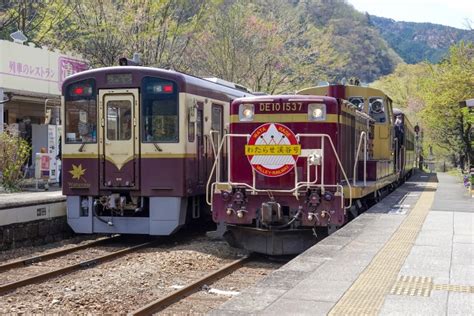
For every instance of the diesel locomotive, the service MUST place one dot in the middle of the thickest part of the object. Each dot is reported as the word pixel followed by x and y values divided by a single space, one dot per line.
pixel 303 165
pixel 137 147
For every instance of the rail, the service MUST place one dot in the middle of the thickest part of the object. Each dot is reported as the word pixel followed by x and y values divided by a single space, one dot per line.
pixel 210 188
pixel 70 268
pixel 53 254
pixel 160 304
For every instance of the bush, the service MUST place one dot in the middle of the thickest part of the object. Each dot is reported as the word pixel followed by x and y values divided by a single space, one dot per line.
pixel 14 152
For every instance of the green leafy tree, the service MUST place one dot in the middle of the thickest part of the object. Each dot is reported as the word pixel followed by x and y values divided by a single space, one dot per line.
pixel 103 31
pixel 266 45
pixel 239 45
pixel 33 18
pixel 449 83
pixel 14 152
pixel 405 88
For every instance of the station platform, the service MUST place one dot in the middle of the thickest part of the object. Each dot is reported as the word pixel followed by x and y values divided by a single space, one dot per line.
pixel 32 218
pixel 13 200
pixel 23 207
pixel 411 254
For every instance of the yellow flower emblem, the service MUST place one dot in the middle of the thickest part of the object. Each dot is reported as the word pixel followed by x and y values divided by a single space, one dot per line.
pixel 77 172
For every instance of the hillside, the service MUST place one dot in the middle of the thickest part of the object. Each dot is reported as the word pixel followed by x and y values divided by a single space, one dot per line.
pixel 416 42
pixel 368 55
pixel 267 45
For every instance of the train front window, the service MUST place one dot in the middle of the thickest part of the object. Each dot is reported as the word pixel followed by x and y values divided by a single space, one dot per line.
pixel 377 109
pixel 159 111
pixel 81 113
pixel 119 120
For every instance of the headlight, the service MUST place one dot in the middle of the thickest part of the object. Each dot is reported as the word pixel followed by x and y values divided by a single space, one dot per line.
pixel 317 112
pixel 246 112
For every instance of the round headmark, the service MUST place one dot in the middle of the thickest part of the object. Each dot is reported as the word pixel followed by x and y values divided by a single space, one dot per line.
pixel 272 149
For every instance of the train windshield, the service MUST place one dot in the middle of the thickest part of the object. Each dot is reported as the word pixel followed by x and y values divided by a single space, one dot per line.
pixel 159 111
pixel 119 120
pixel 81 112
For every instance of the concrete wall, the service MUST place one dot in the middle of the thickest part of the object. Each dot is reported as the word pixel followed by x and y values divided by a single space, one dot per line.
pixel 34 233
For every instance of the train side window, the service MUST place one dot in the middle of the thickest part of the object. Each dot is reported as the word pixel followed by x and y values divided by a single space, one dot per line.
pixel 191 130
pixel 159 111
pixel 81 113
pixel 216 125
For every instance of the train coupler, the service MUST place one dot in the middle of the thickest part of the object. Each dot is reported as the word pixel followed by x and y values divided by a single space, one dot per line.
pixel 270 212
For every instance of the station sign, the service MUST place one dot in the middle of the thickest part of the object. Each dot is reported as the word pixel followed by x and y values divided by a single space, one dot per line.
pixel 272 150
pixel 32 69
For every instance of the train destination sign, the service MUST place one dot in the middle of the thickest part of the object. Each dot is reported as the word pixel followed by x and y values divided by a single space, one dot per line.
pixel 272 150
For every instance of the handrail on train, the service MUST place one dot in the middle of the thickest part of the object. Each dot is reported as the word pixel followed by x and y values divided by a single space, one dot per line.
pixel 298 185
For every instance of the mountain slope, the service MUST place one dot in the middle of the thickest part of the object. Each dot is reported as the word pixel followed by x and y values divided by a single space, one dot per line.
pixel 352 35
pixel 416 42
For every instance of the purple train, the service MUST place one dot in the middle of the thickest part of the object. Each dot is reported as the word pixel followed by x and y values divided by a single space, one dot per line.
pixel 138 145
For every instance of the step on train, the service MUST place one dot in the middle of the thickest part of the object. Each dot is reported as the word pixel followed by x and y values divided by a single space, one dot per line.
pixel 303 165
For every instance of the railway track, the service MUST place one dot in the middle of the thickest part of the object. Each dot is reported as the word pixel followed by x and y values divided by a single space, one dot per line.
pixel 53 254
pixel 161 303
pixel 68 268
pixel 151 274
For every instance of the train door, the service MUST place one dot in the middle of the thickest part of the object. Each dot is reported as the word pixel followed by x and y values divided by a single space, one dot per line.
pixel 217 129
pixel 201 156
pixel 119 138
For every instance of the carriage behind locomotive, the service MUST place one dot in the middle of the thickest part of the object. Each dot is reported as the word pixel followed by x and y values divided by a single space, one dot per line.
pixel 302 165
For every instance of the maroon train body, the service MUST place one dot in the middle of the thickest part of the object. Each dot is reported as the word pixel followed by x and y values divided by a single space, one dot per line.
pixel 137 147
pixel 301 166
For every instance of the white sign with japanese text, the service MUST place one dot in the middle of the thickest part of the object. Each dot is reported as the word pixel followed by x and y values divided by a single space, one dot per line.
pixel 32 69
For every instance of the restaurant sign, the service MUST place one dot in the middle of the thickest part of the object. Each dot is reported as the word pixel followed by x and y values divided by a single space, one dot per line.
pixel 34 69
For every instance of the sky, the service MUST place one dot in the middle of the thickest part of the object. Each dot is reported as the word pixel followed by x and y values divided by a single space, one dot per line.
pixel 446 12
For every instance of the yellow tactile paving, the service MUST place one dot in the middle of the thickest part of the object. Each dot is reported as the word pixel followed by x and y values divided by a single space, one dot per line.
pixel 454 288
pixel 423 286
pixel 367 294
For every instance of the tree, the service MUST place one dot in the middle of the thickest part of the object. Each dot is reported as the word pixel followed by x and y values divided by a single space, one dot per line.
pixel 33 18
pixel 405 88
pixel 103 31
pixel 14 151
pixel 239 45
pixel 266 45
pixel 449 83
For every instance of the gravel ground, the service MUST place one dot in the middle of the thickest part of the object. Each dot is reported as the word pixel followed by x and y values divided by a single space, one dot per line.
pixel 26 252
pixel 56 263
pixel 124 284
pixel 213 295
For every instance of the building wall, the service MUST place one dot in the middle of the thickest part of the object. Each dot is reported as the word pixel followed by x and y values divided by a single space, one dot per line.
pixel 33 77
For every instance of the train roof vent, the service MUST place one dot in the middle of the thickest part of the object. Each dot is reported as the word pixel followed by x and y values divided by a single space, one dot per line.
pixel 228 84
